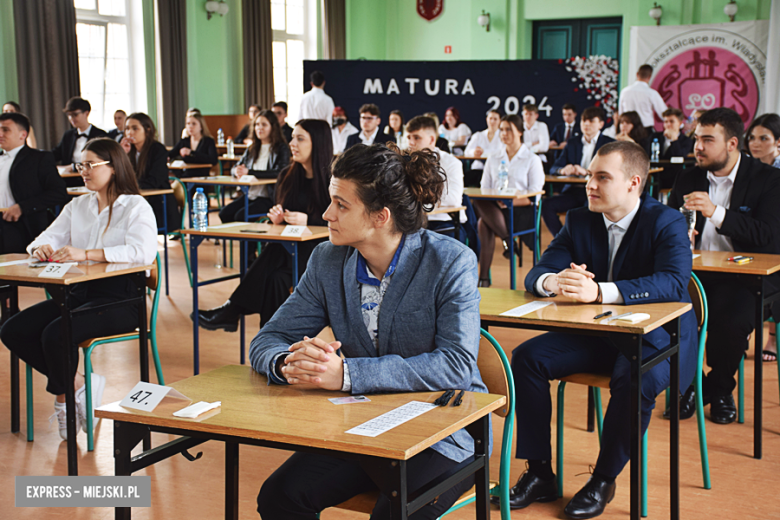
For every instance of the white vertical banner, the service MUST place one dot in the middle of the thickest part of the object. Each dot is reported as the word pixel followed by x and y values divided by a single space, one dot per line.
pixel 706 66
pixel 772 97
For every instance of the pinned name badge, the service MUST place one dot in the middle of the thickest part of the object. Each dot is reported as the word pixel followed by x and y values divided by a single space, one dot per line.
pixel 247 178
pixel 293 231
pixel 56 270
pixel 146 396
pixel 677 160
pixel 508 191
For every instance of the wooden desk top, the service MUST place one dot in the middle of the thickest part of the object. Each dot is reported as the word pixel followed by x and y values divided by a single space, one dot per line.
pixel 260 231
pixel 185 166
pixel 228 158
pixel 467 158
pixel 236 146
pixel 566 179
pixel 90 271
pixel 83 190
pixel 70 175
pixel 566 313
pixel 655 170
pixel 478 193
pixel 227 180
pixel 446 209
pixel 717 262
pixel 252 409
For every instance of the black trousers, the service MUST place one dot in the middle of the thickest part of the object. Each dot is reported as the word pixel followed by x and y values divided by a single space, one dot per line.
pixel 309 483
pixel 732 311
pixel 571 198
pixel 234 211
pixel 555 355
pixel 14 237
pixel 35 335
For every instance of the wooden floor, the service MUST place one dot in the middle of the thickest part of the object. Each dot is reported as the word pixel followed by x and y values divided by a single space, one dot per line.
pixel 742 487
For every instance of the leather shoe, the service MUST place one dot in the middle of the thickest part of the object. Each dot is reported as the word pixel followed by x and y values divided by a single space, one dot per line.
pixel 687 404
pixel 225 317
pixel 530 489
pixel 723 410
pixel 590 501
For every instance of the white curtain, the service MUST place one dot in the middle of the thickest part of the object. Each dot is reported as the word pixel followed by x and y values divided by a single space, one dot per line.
pixel 772 99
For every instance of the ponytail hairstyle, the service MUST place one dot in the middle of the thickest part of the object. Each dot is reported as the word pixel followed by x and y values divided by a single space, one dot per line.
pixel 408 184
pixel 150 136
pixel 291 179
pixel 124 181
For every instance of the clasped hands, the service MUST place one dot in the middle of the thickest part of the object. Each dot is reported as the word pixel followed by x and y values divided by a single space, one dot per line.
pixel 315 362
pixel 573 170
pixel 65 254
pixel 576 283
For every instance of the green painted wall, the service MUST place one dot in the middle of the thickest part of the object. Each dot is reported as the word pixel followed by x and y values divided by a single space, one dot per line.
pixel 215 69
pixel 392 29
pixel 9 86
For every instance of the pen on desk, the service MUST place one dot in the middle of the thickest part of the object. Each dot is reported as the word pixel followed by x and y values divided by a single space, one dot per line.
pixel 446 395
pixel 602 315
pixel 459 399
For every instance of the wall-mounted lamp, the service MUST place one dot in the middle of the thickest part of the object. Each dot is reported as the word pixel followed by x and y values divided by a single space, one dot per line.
pixel 213 7
pixel 484 20
pixel 656 13
pixel 730 9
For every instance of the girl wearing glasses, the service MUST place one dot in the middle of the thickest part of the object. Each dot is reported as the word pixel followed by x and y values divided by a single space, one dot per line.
pixel 114 223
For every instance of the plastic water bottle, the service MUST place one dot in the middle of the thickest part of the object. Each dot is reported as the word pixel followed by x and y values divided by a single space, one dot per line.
pixel 503 176
pixel 230 149
pixel 200 206
pixel 220 137
pixel 655 151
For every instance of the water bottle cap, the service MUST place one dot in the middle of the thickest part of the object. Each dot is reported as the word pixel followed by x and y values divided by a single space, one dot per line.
pixel 655 140
pixel 199 190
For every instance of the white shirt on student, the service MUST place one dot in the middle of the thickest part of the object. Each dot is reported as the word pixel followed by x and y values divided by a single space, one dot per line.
pixel 132 236
pixel 316 104
pixel 453 187
pixel 489 147
pixel 6 161
pixel 81 141
pixel 539 134
pixel 340 136
pixel 643 100
pixel 454 134
pixel 263 159
pixel 526 172
pixel 615 233
pixel 368 140
pixel 720 195
pixel 588 149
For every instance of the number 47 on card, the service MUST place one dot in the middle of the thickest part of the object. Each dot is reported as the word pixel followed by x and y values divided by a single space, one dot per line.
pixel 146 396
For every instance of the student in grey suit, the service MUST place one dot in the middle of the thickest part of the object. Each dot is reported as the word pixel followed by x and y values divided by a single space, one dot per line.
pixel 404 307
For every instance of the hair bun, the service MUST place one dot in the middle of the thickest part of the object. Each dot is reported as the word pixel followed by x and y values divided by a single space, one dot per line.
pixel 424 174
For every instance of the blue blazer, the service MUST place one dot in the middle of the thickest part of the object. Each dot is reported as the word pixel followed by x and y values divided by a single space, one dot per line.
pixel 428 323
pixel 572 154
pixel 652 265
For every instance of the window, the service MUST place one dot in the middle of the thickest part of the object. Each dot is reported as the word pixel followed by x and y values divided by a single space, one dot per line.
pixel 294 23
pixel 110 79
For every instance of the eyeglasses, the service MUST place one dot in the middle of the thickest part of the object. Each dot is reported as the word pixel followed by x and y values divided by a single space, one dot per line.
pixel 88 167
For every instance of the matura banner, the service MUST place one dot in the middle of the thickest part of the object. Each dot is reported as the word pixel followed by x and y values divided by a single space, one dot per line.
pixel 473 87
pixel 699 67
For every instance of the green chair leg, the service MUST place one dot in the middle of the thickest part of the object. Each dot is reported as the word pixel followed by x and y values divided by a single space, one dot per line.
pixel 559 438
pixel 599 415
pixel 705 458
pixel 741 391
pixel 88 382
pixel 30 431
pixel 643 478
pixel 183 241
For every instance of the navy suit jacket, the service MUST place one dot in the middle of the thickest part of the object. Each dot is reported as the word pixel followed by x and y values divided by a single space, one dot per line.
pixel 558 133
pixel 652 265
pixel 381 138
pixel 572 154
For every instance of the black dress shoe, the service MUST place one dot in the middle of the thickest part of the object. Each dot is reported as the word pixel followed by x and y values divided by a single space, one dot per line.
pixel 518 251
pixel 224 317
pixel 687 404
pixel 723 410
pixel 530 489
pixel 590 501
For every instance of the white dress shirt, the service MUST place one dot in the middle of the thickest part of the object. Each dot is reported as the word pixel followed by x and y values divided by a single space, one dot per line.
pixel 263 158
pixel 615 231
pixel 526 172
pixel 643 100
pixel 489 147
pixel 81 141
pixel 316 104
pixel 6 161
pixel 588 149
pixel 340 136
pixel 132 236
pixel 538 133
pixel 453 134
pixel 368 140
pixel 720 195
pixel 453 187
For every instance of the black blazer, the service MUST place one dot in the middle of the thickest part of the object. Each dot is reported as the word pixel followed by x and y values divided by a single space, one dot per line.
pixel 155 177
pixel 558 133
pixel 63 152
pixel 116 134
pixel 753 220
pixel 287 132
pixel 572 154
pixel 679 148
pixel 381 138
pixel 243 134
pixel 205 153
pixel 37 187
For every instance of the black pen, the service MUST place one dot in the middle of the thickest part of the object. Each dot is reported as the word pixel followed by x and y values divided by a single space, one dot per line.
pixel 603 315
pixel 441 400
pixel 459 398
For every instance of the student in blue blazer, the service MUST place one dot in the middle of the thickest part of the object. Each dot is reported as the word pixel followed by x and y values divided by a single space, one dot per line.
pixel 403 304
pixel 624 248
pixel 573 162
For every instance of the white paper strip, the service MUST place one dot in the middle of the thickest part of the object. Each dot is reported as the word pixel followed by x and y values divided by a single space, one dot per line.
pixel 389 420
pixel 525 309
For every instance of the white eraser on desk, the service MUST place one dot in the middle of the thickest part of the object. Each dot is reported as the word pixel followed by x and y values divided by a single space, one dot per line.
pixel 635 318
pixel 197 409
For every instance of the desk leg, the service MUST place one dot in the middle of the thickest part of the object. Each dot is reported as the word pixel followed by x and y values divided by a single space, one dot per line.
pixel 190 191
pixel 480 432
pixel 636 428
pixel 535 249
pixel 143 342
pixel 295 264
pixel 165 240
pixel 7 312
pixel 399 497
pixel 511 206
pixel 126 437
pixel 195 241
pixel 759 375
pixel 231 481
pixel 59 294
pixel 673 328
pixel 243 245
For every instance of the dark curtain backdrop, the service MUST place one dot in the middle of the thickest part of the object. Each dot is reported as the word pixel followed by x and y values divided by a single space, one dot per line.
pixel 334 30
pixel 48 64
pixel 172 16
pixel 258 58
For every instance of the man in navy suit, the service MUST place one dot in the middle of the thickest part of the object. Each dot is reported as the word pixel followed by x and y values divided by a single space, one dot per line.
pixel 573 162
pixel 370 133
pixel 562 132
pixel 624 248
